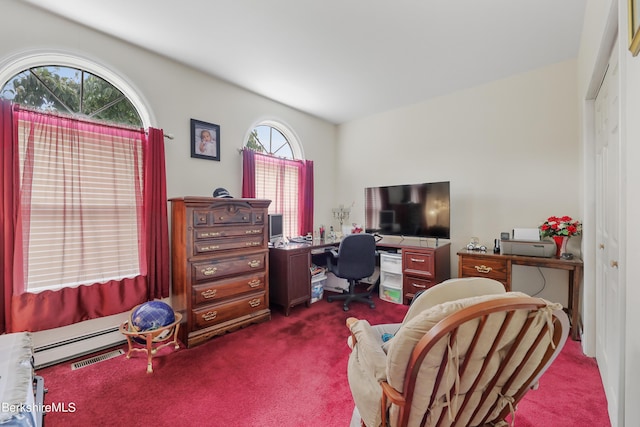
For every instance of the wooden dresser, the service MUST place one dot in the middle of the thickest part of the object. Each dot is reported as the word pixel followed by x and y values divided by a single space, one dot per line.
pixel 220 265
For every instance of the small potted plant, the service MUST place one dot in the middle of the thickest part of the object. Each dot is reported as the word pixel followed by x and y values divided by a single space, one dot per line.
pixel 560 228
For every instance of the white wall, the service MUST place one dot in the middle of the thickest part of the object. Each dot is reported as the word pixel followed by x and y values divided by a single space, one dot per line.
pixel 175 94
pixel 509 148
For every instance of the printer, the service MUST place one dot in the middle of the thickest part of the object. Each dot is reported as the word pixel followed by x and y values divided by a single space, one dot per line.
pixel 540 248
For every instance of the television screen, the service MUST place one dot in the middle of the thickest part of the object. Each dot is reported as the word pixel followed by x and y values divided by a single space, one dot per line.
pixel 412 210
pixel 276 227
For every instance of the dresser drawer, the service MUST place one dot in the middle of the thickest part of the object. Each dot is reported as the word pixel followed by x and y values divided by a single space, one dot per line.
pixel 214 314
pixel 418 263
pixel 213 245
pixel 216 291
pixel 231 214
pixel 221 232
pixel 213 269
pixel 484 267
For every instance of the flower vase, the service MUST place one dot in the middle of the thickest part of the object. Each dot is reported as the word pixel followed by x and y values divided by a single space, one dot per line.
pixel 561 244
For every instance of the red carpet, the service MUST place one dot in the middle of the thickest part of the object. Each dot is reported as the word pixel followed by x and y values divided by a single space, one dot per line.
pixel 290 371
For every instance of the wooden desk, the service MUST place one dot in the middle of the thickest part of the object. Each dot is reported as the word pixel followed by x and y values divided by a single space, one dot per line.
pixel 497 266
pixel 423 265
pixel 289 271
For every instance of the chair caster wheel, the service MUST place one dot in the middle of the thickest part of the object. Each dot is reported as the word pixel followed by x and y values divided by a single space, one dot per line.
pixel 329 299
pixel 372 305
pixel 345 308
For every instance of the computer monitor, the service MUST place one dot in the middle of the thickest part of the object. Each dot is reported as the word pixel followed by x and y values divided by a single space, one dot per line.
pixel 276 228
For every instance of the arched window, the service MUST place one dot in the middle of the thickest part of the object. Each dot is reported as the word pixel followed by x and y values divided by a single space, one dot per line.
pixel 70 91
pixel 282 175
pixel 82 152
pixel 275 139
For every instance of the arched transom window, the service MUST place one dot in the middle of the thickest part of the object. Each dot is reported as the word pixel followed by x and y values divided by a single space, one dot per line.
pixel 70 91
pixel 279 167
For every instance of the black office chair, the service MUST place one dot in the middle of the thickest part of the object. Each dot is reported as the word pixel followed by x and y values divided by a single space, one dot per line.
pixel 356 260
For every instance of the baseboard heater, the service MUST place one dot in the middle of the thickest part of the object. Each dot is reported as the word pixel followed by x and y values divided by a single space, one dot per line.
pixel 81 345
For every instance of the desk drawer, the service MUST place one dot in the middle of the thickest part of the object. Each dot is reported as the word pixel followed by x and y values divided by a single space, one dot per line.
pixel 412 285
pixel 484 267
pixel 417 263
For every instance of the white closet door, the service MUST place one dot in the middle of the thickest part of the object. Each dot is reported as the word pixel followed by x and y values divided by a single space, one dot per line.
pixel 609 296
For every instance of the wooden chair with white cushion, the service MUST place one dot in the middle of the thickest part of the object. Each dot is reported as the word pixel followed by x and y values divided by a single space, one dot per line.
pixel 459 358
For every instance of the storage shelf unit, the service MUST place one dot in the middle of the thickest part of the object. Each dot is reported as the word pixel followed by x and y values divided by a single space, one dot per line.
pixel 391 277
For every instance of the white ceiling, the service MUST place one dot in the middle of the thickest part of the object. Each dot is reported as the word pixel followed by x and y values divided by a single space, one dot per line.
pixel 344 59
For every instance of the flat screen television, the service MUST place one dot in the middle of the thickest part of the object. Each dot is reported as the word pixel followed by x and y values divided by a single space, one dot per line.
pixel 410 210
pixel 276 227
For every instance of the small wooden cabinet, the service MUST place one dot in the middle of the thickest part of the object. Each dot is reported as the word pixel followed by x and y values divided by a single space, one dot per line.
pixel 424 267
pixel 290 276
pixel 220 265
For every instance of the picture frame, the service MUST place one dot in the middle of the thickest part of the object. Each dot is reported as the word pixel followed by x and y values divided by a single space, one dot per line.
pixel 209 148
pixel 634 27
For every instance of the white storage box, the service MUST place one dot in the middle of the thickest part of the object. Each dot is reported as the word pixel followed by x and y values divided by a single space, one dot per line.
pixel 391 263
pixel 394 295
pixel 317 287
pixel 336 284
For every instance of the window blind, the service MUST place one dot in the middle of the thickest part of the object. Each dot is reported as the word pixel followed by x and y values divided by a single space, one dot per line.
pixel 81 197
pixel 278 180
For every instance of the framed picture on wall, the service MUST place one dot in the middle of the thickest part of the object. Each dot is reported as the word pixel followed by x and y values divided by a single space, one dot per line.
pixel 634 27
pixel 205 140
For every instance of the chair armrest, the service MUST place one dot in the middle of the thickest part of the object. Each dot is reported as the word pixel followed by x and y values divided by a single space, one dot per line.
pixel 368 346
pixel 352 339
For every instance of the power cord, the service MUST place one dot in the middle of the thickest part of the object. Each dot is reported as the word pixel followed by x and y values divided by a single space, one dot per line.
pixel 544 282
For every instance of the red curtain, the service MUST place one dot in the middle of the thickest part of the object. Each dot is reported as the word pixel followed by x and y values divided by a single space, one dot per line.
pixel 54 308
pixel 305 214
pixel 155 208
pixel 8 176
pixel 248 174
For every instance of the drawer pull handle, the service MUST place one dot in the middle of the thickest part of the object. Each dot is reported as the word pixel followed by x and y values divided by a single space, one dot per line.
pixel 209 271
pixel 254 283
pixel 253 231
pixel 416 260
pixel 209 293
pixel 252 243
pixel 483 268
pixel 210 315
pixel 210 248
pixel 212 234
pixel 254 303
pixel 254 263
pixel 418 286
